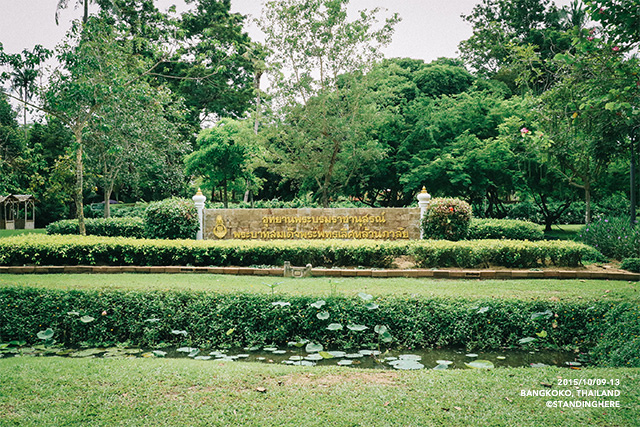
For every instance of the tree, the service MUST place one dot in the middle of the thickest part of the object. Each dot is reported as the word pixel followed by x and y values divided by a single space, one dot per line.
pixel 225 156
pixel 319 53
pixel 23 74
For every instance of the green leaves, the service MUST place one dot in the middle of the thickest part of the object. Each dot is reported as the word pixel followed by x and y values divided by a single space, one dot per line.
pixel 46 334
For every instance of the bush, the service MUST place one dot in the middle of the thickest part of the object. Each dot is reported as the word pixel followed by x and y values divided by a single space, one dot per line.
pixel 446 218
pixel 94 250
pixel 504 229
pixel 214 320
pixel 172 218
pixel 631 264
pixel 111 227
pixel 504 253
pixel 613 237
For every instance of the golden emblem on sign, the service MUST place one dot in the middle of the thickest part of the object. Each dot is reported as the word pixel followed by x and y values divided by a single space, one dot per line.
pixel 219 230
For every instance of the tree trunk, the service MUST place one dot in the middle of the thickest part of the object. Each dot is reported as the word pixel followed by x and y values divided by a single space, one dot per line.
pixel 79 184
pixel 587 202
pixel 225 195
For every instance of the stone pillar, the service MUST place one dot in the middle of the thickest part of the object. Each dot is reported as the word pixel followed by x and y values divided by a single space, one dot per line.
pixel 198 200
pixel 423 203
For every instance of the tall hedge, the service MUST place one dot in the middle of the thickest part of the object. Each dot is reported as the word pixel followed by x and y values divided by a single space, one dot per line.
pixel 172 218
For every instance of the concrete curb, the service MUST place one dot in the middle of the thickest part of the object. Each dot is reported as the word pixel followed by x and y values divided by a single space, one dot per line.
pixel 331 272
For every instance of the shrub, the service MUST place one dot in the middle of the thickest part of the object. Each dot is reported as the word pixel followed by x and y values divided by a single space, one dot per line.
pixel 446 218
pixel 505 253
pixel 172 218
pixel 111 227
pixel 93 250
pixel 613 237
pixel 504 229
pixel 147 318
pixel 631 264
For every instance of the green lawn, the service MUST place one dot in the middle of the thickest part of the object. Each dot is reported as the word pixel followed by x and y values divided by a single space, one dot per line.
pixel 565 232
pixel 566 290
pixel 159 392
pixel 10 233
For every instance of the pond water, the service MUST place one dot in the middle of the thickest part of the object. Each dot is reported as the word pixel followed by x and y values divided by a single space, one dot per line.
pixel 312 355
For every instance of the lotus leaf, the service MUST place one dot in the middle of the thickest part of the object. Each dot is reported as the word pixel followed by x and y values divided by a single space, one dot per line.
pixel 480 364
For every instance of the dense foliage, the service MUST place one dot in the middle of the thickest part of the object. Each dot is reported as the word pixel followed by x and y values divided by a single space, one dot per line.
pixel 446 218
pixel 172 218
pixel 613 237
pixel 111 227
pixel 93 250
pixel 103 318
pixel 504 229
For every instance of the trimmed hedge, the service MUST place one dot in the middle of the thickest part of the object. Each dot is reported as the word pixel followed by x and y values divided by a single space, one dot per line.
pixel 505 253
pixel 94 250
pixel 223 320
pixel 631 264
pixel 172 218
pixel 512 229
pixel 110 227
pixel 446 218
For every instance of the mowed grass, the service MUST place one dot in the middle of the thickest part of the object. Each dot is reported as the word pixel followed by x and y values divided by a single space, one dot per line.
pixel 565 290
pixel 11 233
pixel 164 392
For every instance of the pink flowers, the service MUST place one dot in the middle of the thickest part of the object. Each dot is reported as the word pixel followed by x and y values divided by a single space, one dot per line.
pixel 615 48
pixel 104 312
pixel 590 38
pixel 524 131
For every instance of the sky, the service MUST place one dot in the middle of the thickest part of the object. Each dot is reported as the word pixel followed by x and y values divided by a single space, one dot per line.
pixel 429 28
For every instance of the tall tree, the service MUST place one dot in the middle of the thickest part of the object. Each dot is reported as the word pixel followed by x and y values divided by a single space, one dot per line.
pixel 313 43
pixel 23 73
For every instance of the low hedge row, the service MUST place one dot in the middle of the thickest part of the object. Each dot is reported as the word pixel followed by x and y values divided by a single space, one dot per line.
pixel 505 253
pixel 631 264
pixel 504 229
pixel 93 250
pixel 110 227
pixel 221 320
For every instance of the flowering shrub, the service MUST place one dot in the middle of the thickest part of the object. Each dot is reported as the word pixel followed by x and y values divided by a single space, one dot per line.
pixel 447 218
pixel 613 237
pixel 171 219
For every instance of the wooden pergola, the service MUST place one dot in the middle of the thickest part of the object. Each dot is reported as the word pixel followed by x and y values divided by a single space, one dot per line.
pixel 17 211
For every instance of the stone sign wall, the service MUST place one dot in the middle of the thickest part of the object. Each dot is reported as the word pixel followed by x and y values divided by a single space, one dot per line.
pixel 312 224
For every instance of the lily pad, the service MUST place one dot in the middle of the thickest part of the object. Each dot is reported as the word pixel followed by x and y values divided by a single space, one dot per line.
pixel 326 355
pixel 323 315
pixel 526 340
pixel 414 357
pixel 444 362
pixel 73 313
pixel 334 327
pixel 500 357
pixel 270 348
pixel 337 353
pixel 480 364
pixel 380 329
pixel 303 363
pixel 281 303
pixel 483 310
pixel 372 306
pixel 407 365
pixel 46 334
pixel 159 353
pixel 17 343
pixel 186 349
pixel 386 337
pixel 345 362
pixel 538 365
pixel 279 352
pixel 366 352
pixel 441 367
pixel 87 319
pixel 573 363
pixel 542 315
pixel 313 348
pixel 202 358
pixel 296 358
pixel 318 304
pixel 313 357
pixel 353 355
pixel 365 296
pixel 358 328
pixel 471 355
pixel 194 352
